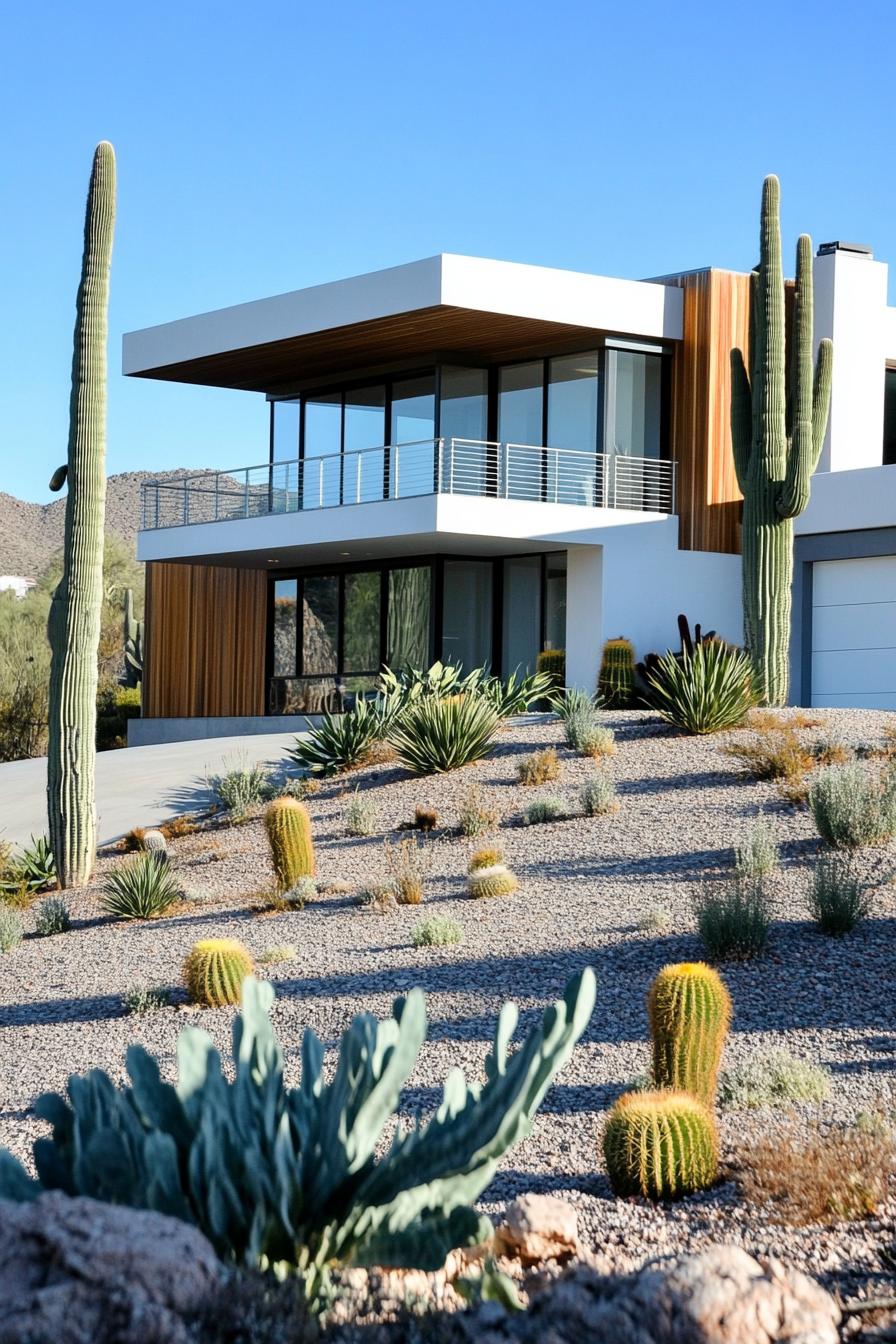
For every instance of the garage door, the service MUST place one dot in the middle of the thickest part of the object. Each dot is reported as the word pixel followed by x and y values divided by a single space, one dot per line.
pixel 854 632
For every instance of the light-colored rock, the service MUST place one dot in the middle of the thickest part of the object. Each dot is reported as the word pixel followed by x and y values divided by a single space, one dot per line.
pixel 538 1228
pixel 74 1271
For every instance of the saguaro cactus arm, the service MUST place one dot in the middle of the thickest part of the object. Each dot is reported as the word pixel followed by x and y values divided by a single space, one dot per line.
pixel 810 394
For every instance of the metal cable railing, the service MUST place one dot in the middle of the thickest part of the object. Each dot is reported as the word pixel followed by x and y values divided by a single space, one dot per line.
pixel 400 471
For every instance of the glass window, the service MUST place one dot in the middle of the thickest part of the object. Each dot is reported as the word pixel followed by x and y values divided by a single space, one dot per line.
pixel 522 613
pixel 555 601
pixel 467 614
pixel 407 636
pixel 633 408
pixel 285 432
pixel 520 403
pixel 322 437
pixel 285 608
pixel 413 424
pixel 364 436
pixel 463 425
pixel 889 458
pixel 572 402
pixel 362 622
pixel 320 625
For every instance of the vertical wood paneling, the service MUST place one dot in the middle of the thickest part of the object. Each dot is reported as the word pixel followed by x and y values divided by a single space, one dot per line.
pixel 716 319
pixel 205 640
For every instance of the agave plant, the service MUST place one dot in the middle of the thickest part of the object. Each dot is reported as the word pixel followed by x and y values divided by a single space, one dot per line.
pixel 516 694
pixel 34 869
pixel 297 1178
pixel 342 741
pixel 140 888
pixel 704 691
pixel 433 736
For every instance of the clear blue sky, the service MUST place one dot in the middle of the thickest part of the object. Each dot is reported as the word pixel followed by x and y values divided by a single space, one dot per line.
pixel 266 146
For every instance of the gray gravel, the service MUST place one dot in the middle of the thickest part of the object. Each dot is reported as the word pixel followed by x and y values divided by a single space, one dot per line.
pixel 585 884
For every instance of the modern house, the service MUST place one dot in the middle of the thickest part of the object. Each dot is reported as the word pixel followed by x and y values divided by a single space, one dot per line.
pixel 474 460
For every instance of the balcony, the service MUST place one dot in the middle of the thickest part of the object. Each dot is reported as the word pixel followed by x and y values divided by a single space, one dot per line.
pixel 401 471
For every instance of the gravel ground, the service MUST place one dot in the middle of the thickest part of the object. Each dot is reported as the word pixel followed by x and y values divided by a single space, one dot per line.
pixel 585 886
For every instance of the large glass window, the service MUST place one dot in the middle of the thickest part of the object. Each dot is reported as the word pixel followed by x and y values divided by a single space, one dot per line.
pixel 634 403
pixel 521 403
pixel 320 625
pixel 364 434
pixel 467 614
pixel 463 426
pixel 889 458
pixel 322 438
pixel 412 430
pixel 408 634
pixel 521 623
pixel 285 421
pixel 285 610
pixel 572 424
pixel 555 600
pixel 362 622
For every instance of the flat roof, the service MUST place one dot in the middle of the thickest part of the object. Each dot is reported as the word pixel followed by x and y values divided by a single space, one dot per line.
pixel 447 306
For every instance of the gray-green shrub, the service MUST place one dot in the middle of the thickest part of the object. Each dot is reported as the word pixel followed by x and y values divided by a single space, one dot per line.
pixel 437 931
pixel 757 854
pixel 52 916
pixel 599 796
pixel 476 815
pixel 544 809
pixel 838 901
pixel 773 1078
pixel 11 930
pixel 360 815
pixel 241 787
pixel 733 918
pixel 854 806
pixel 138 1000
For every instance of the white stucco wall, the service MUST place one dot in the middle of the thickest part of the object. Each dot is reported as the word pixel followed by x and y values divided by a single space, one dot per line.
pixel 843 501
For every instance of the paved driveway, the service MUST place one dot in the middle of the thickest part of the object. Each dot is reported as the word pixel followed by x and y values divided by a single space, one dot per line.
pixel 137 786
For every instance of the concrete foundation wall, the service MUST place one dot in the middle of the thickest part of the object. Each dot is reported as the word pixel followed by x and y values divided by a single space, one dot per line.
pixel 151 732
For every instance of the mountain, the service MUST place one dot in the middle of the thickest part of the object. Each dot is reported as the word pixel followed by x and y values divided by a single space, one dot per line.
pixel 30 534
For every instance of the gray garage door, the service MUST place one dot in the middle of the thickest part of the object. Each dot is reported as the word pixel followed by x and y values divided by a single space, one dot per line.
pixel 854 632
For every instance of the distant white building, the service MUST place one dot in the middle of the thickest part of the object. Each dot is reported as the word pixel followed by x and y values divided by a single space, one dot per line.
pixel 17 583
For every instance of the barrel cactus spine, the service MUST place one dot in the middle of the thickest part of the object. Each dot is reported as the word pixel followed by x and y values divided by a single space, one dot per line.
pixel 288 829
pixel 496 880
pixel 661 1145
pixel 214 971
pixel 689 1010
pixel 616 680
pixel 779 416
pixel 73 626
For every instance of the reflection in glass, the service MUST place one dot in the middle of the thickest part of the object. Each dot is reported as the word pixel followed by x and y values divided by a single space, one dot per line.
pixel 467 614
pixel 520 403
pixel 285 608
pixel 285 437
pixel 320 625
pixel 413 419
pixel 636 403
pixel 522 613
pixel 572 423
pixel 463 415
pixel 407 636
pixel 322 438
pixel 365 428
pixel 362 622
pixel 555 601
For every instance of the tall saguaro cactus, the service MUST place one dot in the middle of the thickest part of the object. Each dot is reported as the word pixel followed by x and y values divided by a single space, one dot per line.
pixel 779 416
pixel 74 621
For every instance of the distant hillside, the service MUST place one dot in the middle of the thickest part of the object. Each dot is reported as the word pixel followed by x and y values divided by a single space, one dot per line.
pixel 31 533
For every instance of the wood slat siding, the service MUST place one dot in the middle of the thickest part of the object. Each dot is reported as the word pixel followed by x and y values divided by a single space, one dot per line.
pixel 716 319
pixel 205 640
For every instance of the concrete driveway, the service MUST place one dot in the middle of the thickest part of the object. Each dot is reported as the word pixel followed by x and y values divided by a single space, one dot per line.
pixel 137 786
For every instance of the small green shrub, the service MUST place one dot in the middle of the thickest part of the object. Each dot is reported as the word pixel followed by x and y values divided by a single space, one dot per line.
pixel 854 806
pixel 360 815
pixel 115 705
pixel 596 742
pixel 705 691
pixel 579 726
pixel 434 736
pixel 341 741
pixel 733 919
pixel 139 1000
pixel 241 787
pixel 838 901
pixel 575 701
pixel 408 863
pixel 476 815
pixel 656 920
pixel 275 956
pixel 139 888
pixel 52 916
pixel 772 1078
pixel 437 931
pixel 296 897
pixel 758 853
pixel 599 796
pixel 539 768
pixel 543 810
pixel 11 930
pixel 495 881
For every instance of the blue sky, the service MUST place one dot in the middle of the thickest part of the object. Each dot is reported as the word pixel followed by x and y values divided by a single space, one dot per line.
pixel 266 146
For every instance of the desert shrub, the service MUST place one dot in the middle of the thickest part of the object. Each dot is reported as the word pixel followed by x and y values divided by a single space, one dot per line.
pixel 426 819
pixel 139 888
pixel 655 920
pixel 296 897
pixel 11 929
pixel 378 897
pixel 538 768
pixel 497 880
pixel 596 741
pixel 32 869
pixel 408 863
pixel 298 787
pixel 433 736
pixel 52 916
pixel 733 918
pixel 543 810
pixel 437 931
pixel 241 787
pixel 705 691
pixel 773 1078
pixel 575 701
pixel 835 1175
pixel 476 815
pixel 139 1000
pixel 360 815
pixel 175 828
pixel 579 725
pixel 599 796
pixel 838 901
pixel 775 753
pixel 853 806
pixel 485 858
pixel 115 705
pixel 275 956
pixel 757 854
pixel 214 971
pixel 341 741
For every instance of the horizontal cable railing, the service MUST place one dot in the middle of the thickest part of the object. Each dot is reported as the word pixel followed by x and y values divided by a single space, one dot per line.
pixel 400 471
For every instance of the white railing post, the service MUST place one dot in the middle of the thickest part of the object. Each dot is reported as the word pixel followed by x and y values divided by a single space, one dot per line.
pixel 556 475
pixel 320 482
pixel 217 488
pixel 451 467
pixel 397 470
pixel 186 506
pixel 358 479
pixel 438 473
pixel 504 464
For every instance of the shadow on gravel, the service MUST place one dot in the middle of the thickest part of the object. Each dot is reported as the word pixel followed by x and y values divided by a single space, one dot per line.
pixel 508 1185
pixel 697 779
pixel 560 1099
pixel 50 1012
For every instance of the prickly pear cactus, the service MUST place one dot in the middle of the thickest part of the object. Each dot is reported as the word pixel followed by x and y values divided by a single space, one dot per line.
pixel 74 621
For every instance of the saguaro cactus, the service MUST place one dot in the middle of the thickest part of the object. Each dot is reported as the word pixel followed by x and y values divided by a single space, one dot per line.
pixel 74 621
pixel 779 416
pixel 133 644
